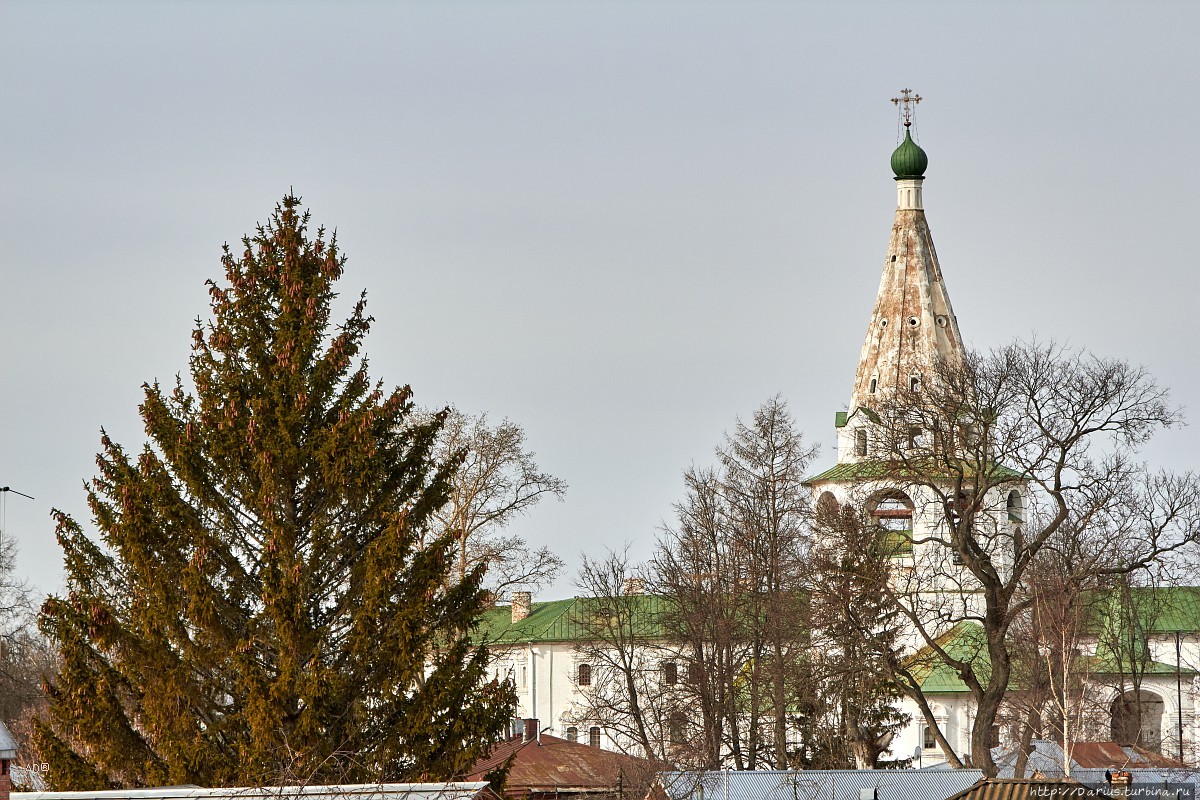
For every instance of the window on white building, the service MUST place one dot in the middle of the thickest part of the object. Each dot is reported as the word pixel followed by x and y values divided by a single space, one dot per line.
pixel 594 736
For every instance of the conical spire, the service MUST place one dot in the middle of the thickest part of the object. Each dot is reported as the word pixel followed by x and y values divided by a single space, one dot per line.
pixel 913 328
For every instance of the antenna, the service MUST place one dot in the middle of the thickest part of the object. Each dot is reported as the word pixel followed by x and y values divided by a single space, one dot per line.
pixel 4 508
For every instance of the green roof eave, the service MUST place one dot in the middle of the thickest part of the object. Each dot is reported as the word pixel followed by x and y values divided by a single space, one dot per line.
pixel 854 471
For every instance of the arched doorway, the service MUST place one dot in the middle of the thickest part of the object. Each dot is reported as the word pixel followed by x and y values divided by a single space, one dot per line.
pixel 1137 719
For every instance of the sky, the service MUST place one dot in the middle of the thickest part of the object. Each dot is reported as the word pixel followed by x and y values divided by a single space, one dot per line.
pixel 622 225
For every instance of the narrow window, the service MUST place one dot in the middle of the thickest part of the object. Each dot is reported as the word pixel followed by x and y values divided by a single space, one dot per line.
pixel 914 384
pixel 677 729
pixel 693 673
pixel 524 676
pixel 860 442
pixel 572 734
pixel 585 675
pixel 594 736
pixel 871 388
pixel 671 672
pixel 914 436
pixel 929 741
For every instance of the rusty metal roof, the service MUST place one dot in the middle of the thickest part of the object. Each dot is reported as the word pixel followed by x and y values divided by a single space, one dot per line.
pixel 1027 789
pixel 551 764
pixel 1109 755
pixel 1087 759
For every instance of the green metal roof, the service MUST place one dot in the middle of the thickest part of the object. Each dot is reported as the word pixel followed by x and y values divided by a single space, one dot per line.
pixel 1175 608
pixel 839 419
pixel 965 642
pixel 909 160
pixel 573 620
pixel 1169 608
pixel 873 470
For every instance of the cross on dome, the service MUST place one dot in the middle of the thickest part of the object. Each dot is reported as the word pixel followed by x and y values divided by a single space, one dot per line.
pixel 907 103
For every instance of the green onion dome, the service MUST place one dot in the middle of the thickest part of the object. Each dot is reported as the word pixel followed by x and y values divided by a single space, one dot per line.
pixel 909 160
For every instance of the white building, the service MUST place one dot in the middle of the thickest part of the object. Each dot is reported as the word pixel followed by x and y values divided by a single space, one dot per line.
pixel 912 334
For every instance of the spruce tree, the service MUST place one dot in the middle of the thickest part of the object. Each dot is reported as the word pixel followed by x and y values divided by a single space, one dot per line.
pixel 257 607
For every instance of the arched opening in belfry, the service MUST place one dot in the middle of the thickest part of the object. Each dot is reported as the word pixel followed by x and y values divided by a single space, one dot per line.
pixel 1137 719
pixel 892 511
pixel 1016 507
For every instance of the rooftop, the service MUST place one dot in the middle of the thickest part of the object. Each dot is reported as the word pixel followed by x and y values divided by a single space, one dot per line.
pixel 551 764
pixel 571 620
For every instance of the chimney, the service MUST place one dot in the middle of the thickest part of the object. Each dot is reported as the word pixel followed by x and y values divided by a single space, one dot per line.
pixel 531 730
pixel 8 751
pixel 633 586
pixel 522 604
pixel 1122 780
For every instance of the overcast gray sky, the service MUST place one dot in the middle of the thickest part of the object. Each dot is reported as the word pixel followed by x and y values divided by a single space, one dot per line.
pixel 621 225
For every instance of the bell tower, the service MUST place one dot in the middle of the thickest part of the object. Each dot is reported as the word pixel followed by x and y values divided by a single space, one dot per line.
pixel 913 329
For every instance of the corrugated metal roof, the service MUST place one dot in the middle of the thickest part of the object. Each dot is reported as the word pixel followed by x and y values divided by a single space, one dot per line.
pixel 1109 755
pixel 1026 789
pixel 818 784
pixel 551 764
pixel 459 790
pixel 1092 759
pixel 1144 777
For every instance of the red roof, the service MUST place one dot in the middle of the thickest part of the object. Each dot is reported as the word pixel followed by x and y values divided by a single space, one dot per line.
pixel 1107 755
pixel 551 764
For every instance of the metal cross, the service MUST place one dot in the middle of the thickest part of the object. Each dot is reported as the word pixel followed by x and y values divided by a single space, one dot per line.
pixel 908 100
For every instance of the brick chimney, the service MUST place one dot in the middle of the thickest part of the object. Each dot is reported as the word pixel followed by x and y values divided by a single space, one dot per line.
pixel 522 604
pixel 633 586
pixel 8 751
pixel 1121 783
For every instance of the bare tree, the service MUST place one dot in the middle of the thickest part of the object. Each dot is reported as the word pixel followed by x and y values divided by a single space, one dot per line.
pixel 622 649
pixel 497 481
pixel 1017 454
pixel 732 569
pixel 26 656
pixel 698 570
pixel 763 467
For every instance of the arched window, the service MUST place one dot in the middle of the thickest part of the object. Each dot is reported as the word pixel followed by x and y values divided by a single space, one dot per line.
pixel 584 675
pixel 914 383
pixel 893 513
pixel 1137 719
pixel 928 740
pixel 1016 507
pixel 873 385
pixel 572 734
pixel 594 736
pixel 860 442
